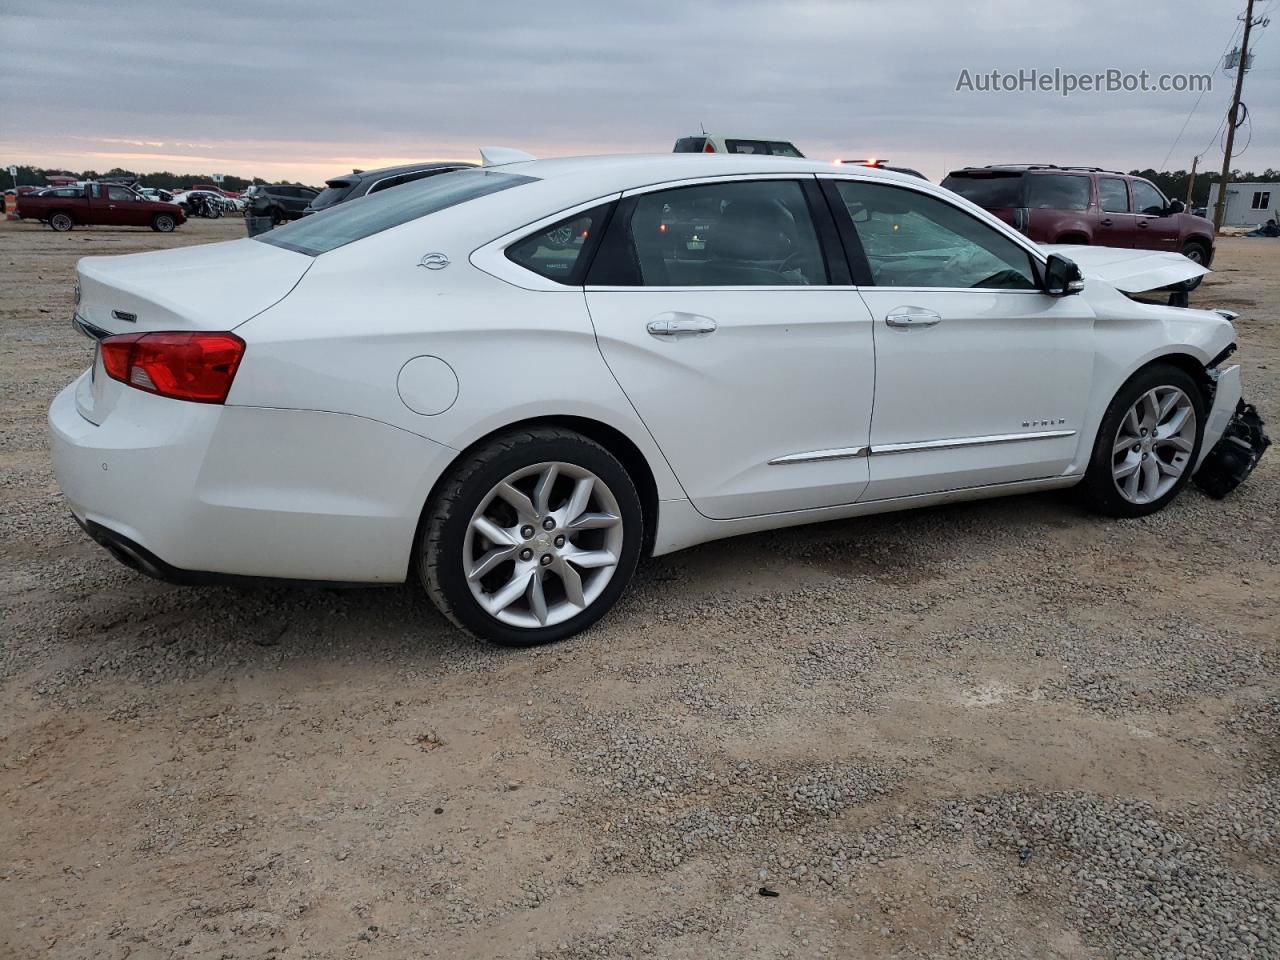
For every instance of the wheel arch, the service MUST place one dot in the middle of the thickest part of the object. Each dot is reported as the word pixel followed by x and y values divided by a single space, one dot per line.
pixel 611 438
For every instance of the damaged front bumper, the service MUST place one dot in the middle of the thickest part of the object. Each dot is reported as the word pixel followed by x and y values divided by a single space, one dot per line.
pixel 1238 447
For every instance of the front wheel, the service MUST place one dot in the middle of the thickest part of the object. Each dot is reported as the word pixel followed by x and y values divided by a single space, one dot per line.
pixel 1197 254
pixel 1147 443
pixel 163 223
pixel 531 538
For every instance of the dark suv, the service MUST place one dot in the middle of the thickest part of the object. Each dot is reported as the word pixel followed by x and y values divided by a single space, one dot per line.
pixel 279 201
pixel 361 182
pixel 1052 204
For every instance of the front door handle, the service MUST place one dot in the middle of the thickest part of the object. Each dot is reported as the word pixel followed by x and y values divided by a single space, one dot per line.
pixel 680 324
pixel 912 317
pixel 1107 222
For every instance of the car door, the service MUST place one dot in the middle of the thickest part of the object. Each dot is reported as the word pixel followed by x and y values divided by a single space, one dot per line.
pixel 1157 228
pixel 125 208
pixel 1116 225
pixel 980 377
pixel 724 310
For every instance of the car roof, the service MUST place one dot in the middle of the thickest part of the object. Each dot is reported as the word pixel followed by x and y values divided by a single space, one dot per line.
pixel 1036 168
pixel 628 171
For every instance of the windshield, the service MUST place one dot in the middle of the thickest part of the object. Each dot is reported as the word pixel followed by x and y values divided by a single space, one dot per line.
pixel 348 222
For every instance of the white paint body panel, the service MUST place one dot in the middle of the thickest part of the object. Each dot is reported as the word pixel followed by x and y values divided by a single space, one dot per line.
pixel 320 463
pixel 787 371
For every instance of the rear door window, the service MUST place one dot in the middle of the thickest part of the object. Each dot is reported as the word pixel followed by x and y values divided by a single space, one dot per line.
pixel 1113 195
pixel 1055 191
pixel 729 234
pixel 363 217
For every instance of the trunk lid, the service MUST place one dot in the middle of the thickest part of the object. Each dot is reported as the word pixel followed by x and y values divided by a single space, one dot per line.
pixel 215 286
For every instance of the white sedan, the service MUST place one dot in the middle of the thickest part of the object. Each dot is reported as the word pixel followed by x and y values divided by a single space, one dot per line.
pixel 512 382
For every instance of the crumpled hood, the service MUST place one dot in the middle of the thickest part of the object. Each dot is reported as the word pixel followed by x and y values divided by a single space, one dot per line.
pixel 1129 271
pixel 213 286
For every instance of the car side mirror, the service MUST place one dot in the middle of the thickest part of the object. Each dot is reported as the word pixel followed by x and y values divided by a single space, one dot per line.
pixel 1176 206
pixel 1062 277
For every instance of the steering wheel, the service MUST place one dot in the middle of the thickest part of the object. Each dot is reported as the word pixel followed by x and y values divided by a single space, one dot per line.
pixel 788 263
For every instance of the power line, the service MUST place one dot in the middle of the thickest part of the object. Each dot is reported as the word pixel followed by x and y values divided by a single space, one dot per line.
pixel 1230 40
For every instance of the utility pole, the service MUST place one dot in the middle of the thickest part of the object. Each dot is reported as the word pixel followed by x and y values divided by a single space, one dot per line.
pixel 1232 113
pixel 1191 184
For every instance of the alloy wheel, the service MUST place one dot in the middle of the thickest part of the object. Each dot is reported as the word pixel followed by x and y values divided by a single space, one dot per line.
pixel 542 545
pixel 1153 446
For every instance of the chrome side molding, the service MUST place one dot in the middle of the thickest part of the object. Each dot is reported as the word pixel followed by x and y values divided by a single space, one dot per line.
pixel 817 456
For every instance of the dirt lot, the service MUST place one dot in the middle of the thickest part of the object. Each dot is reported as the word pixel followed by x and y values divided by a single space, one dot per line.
pixel 1004 729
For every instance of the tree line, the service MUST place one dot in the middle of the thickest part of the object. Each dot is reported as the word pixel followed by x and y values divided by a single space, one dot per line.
pixel 1174 185
pixel 164 180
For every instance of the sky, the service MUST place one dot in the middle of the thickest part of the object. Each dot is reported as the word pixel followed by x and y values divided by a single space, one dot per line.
pixel 308 89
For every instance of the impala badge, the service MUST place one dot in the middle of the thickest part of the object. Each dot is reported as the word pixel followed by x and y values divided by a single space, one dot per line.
pixel 1051 422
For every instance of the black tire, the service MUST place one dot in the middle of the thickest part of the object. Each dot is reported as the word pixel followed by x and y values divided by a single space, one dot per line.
pixel 163 223
pixel 61 221
pixel 445 521
pixel 217 211
pixel 1198 253
pixel 277 216
pixel 1098 489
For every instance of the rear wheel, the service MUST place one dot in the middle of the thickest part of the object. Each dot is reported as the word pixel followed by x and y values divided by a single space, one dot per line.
pixel 163 223
pixel 531 538
pixel 277 216
pixel 61 222
pixel 1147 443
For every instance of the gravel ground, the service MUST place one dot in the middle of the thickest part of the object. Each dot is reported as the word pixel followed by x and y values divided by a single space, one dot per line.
pixel 1003 729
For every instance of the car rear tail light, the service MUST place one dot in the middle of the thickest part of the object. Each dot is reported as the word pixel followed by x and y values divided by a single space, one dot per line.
pixel 709 148
pixel 185 366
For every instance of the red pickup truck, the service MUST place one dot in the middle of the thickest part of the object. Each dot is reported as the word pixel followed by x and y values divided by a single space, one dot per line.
pixel 99 204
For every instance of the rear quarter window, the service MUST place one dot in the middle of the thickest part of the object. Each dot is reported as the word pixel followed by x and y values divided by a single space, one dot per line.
pixel 690 145
pixel 556 252
pixel 988 192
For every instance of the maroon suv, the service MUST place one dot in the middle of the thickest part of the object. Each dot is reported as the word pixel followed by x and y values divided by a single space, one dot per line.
pixel 1053 204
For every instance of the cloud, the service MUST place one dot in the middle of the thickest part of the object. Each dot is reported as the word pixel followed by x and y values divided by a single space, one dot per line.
pixel 298 84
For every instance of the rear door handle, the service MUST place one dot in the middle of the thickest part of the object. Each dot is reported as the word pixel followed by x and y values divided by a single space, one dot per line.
pixel 1106 222
pixel 680 324
pixel 912 317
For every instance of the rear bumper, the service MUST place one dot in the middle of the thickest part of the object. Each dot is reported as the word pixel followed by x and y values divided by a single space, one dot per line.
pixel 197 493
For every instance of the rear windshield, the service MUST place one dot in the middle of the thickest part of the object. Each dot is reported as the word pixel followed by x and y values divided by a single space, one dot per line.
pixel 690 145
pixel 987 191
pixel 1054 191
pixel 333 192
pixel 363 217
